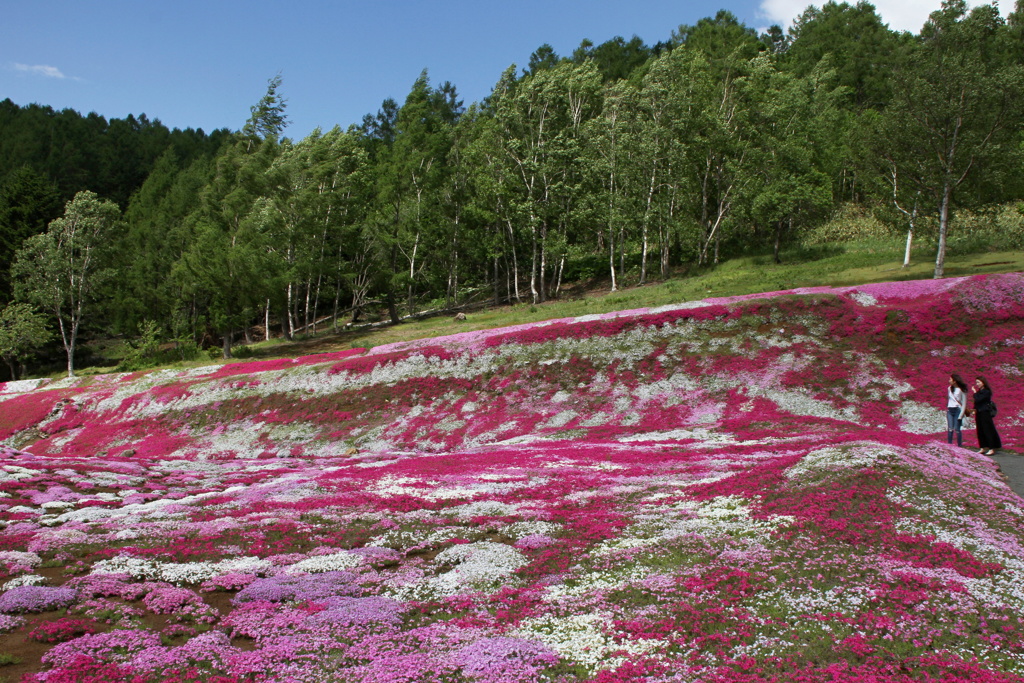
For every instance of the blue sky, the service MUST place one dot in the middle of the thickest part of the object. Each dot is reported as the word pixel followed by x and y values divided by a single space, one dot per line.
pixel 203 64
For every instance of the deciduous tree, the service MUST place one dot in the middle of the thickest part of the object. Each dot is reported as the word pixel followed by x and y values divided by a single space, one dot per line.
pixel 61 269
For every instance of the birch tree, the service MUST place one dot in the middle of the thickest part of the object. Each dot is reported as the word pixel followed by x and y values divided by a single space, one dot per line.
pixel 61 269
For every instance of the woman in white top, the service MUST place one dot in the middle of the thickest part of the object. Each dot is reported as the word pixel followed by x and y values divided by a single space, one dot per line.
pixel 956 406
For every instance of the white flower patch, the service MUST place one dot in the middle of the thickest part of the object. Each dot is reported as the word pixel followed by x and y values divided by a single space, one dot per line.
pixel 179 572
pixel 136 567
pixel 531 527
pixel 19 558
pixel 860 455
pixel 281 492
pixel 863 298
pixel 585 639
pixel 241 437
pixel 674 484
pixel 24 509
pixel 245 565
pixel 483 508
pixel 131 533
pixel 559 420
pixel 847 600
pixel 613 546
pixel 919 418
pixel 153 509
pixel 449 424
pixel 16 473
pixel 799 403
pixel 326 563
pixel 24 580
pixel 718 517
pixel 476 564
pixel 21 386
pixel 705 436
pixel 407 540
pixel 673 390
pixel 397 486
pixel 597 581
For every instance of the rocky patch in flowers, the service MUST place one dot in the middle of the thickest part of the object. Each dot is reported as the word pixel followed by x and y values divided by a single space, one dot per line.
pixel 747 489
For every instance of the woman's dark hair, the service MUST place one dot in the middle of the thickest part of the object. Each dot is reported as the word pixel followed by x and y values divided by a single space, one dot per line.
pixel 959 381
pixel 985 382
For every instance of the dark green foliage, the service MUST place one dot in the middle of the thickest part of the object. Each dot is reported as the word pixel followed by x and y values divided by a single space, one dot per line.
pixel 76 152
pixel 721 39
pixel 155 237
pixel 863 49
pixel 27 203
pixel 616 58
pixel 544 57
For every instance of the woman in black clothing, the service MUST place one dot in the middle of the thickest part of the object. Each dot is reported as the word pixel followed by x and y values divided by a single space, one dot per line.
pixel 988 437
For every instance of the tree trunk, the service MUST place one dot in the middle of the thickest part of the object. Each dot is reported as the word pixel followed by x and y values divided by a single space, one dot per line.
pixel 533 266
pixel 69 344
pixel 515 264
pixel 71 348
pixel 226 344
pixel 611 256
pixel 392 308
pixel 334 311
pixel 542 280
pixel 778 240
pixel 291 318
pixel 266 322
pixel 285 332
pixel 497 295
pixel 940 257
pixel 667 235
pixel 622 249
pixel 644 229
pixel 305 316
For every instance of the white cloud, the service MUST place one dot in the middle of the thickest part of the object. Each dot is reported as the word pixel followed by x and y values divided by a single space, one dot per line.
pixel 900 15
pixel 40 70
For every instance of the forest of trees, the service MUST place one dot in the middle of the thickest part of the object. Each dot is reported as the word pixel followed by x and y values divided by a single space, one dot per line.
pixel 622 161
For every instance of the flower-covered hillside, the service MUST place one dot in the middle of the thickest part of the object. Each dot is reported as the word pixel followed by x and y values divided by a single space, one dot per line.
pixel 732 490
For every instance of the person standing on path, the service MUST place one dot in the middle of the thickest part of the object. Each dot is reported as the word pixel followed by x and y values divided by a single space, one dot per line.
pixel 956 407
pixel 988 437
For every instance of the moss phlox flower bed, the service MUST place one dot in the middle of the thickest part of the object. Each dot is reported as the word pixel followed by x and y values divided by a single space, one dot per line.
pixel 734 490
